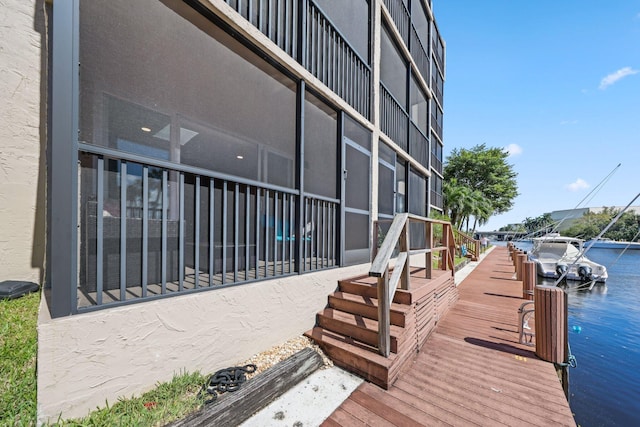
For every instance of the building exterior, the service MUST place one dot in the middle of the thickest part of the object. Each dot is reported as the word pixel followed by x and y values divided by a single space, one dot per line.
pixel 201 172
pixel 567 217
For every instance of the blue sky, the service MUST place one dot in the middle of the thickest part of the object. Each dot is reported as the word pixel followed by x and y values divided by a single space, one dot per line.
pixel 557 82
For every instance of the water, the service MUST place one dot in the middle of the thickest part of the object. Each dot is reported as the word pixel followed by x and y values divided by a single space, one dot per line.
pixel 604 335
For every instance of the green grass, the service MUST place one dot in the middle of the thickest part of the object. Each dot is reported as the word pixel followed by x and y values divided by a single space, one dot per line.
pixel 18 348
pixel 18 351
pixel 167 402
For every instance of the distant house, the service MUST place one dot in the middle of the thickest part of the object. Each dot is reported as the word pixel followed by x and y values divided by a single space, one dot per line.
pixel 189 179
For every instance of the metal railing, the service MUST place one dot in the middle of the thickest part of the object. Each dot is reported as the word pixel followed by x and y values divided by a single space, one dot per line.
pixel 277 19
pixel 400 16
pixel 418 145
pixel 439 238
pixel 436 161
pixel 420 56
pixel 437 47
pixel 437 84
pixel 394 120
pixel 187 229
pixel 331 59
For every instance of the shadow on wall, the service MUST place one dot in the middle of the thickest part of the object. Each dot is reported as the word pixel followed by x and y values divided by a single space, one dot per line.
pixel 42 15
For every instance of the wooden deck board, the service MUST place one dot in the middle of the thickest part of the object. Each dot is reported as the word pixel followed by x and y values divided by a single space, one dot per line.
pixel 471 369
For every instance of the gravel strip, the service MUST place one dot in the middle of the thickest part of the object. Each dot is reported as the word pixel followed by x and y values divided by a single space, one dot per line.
pixel 278 353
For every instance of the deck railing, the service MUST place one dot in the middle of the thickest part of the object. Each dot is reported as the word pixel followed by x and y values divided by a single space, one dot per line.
pixel 277 19
pixel 394 120
pixel 187 229
pixel 438 238
pixel 471 245
pixel 419 55
pixel 400 16
pixel 418 145
pixel 324 51
pixel 332 60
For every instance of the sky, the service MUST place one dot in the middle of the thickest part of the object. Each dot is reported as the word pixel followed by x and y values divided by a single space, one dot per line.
pixel 557 84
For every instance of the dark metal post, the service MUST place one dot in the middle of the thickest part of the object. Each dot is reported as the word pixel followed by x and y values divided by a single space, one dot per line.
pixel 341 190
pixel 299 222
pixel 63 263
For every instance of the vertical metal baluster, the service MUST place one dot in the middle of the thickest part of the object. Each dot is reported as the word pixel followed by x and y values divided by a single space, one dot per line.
pixel 303 238
pixel 316 231
pixel 279 31
pixel 100 231
pixel 311 50
pixel 267 204
pixel 145 229
pixel 258 191
pixel 165 203
pixel 250 12
pixel 292 222
pixel 181 234
pixel 123 230
pixel 196 237
pixel 275 233
pixel 285 27
pixel 224 232
pixel 261 16
pixel 324 233
pixel 282 244
pixel 212 224
pixel 236 230
pixel 247 225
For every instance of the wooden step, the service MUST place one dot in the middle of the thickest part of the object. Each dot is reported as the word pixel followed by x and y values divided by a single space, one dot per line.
pixel 354 356
pixel 371 290
pixel 358 327
pixel 368 307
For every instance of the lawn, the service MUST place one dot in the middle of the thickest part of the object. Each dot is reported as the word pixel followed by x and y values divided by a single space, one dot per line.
pixel 18 349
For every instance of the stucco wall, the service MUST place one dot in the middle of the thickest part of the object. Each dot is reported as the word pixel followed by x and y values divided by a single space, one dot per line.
pixel 22 140
pixel 86 359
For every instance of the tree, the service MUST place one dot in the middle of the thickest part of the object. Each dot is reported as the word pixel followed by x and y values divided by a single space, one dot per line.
pixel 591 224
pixel 485 170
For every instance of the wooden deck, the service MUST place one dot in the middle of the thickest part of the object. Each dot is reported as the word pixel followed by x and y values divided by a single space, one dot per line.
pixel 471 370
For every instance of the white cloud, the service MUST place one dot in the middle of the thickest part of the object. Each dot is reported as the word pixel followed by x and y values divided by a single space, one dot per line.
pixel 513 149
pixel 579 184
pixel 614 77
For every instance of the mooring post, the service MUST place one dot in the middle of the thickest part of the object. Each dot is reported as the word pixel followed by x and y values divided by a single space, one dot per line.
pixel 552 342
pixel 529 279
pixel 521 257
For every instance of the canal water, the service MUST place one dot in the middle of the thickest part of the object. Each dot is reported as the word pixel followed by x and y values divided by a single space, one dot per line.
pixel 604 335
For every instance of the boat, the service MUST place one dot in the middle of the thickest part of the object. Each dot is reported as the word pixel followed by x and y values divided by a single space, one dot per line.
pixel 556 255
pixel 611 244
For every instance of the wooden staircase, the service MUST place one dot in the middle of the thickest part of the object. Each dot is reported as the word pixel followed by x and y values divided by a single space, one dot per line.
pixel 347 329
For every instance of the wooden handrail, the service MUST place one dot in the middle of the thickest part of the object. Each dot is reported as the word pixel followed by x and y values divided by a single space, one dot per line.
pixel 398 234
pixel 472 245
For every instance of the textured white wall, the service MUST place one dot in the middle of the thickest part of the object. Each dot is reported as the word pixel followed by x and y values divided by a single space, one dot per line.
pixel 86 359
pixel 22 139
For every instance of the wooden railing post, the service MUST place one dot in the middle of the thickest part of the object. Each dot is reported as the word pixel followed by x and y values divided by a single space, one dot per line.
pixel 429 255
pixel 384 315
pixel 404 247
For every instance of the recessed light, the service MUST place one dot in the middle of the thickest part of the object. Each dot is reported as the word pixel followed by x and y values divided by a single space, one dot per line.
pixel 239 157
pixel 145 129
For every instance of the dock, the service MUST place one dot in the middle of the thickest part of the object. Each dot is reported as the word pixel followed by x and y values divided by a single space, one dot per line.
pixel 471 370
